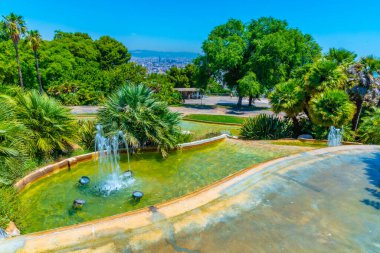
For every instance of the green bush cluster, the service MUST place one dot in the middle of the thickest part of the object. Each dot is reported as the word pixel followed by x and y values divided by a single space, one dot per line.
pixel 266 127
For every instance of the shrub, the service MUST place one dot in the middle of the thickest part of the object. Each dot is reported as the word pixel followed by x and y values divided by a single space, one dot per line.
pixel 10 208
pixel 143 118
pixel 266 127
pixel 86 132
pixel 52 127
pixel 369 130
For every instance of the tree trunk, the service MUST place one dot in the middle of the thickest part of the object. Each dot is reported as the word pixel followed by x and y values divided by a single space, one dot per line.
pixel 297 127
pixel 19 67
pixel 250 100
pixel 240 100
pixel 356 119
pixel 38 72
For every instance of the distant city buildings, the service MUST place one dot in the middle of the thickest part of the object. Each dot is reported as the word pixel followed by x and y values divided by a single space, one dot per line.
pixel 159 64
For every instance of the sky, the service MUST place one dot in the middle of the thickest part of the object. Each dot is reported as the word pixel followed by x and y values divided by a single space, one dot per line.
pixel 180 25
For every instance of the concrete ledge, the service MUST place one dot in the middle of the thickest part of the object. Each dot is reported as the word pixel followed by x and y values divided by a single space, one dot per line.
pixel 110 227
pixel 72 161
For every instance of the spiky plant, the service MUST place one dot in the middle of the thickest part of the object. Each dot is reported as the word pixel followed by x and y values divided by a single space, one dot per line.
pixel 265 127
pixel 143 118
pixel 369 130
pixel 14 143
pixel 52 126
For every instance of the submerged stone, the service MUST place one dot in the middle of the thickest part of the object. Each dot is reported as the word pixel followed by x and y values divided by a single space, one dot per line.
pixel 137 195
pixel 84 180
pixel 3 234
pixel 78 203
pixel 305 136
pixel 128 174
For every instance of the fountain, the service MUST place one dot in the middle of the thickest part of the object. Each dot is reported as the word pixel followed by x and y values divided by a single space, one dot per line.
pixel 108 161
pixel 334 137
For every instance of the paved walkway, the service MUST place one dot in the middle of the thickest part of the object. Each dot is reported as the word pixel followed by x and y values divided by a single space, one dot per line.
pixel 208 105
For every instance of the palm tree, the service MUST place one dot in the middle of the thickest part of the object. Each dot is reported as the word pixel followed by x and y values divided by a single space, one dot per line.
pixel 289 97
pixel 143 118
pixel 325 74
pixel 34 40
pixel 15 28
pixel 365 85
pixel 331 108
pixel 14 142
pixel 53 128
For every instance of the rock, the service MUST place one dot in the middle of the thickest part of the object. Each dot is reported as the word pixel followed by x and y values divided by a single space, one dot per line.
pixel 12 230
pixel 78 203
pixel 305 136
pixel 3 234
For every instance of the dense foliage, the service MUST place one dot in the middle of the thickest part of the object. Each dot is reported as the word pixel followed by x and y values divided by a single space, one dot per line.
pixel 266 127
pixel 253 58
pixel 145 120
pixel 33 129
pixel 370 128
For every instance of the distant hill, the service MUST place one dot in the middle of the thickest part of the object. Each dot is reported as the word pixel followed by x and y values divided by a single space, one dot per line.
pixel 149 53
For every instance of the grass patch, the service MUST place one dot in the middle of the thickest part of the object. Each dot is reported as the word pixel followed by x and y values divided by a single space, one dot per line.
pixel 224 119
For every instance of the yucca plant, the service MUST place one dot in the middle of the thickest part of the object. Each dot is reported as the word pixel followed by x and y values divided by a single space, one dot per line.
pixel 52 127
pixel 143 118
pixel 266 127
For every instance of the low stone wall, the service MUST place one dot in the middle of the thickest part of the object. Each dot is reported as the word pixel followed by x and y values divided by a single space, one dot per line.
pixel 72 161
pixel 111 228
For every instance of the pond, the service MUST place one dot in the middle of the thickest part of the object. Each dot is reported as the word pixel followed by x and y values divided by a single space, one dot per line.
pixel 49 200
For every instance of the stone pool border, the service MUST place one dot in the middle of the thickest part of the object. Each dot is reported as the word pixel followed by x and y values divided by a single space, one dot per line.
pixel 91 231
pixel 72 161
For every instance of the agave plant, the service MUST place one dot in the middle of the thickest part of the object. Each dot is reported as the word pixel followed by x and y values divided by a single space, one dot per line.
pixel 265 127
pixel 52 126
pixel 143 118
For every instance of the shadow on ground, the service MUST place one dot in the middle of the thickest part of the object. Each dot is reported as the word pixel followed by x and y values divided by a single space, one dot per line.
pixel 372 170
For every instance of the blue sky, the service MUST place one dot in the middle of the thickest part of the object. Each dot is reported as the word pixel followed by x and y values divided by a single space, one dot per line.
pixel 183 25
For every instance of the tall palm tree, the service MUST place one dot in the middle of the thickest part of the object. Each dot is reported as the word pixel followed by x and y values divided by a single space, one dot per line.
pixel 365 85
pixel 15 28
pixel 34 40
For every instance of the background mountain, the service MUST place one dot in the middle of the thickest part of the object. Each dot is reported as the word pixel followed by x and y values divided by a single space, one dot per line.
pixel 149 53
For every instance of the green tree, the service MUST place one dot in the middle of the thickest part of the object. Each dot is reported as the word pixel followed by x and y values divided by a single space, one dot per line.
pixel 249 87
pixel 15 28
pixel 34 40
pixel 112 52
pixel 331 108
pixel 142 117
pixel 341 56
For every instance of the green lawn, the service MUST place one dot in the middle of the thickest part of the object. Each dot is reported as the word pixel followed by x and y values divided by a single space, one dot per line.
pixel 215 118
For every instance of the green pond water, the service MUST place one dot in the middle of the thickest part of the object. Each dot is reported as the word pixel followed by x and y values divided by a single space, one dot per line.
pixel 49 200
pixel 199 129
